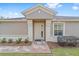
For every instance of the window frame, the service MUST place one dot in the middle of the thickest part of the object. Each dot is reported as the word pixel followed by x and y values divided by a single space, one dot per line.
pixel 62 29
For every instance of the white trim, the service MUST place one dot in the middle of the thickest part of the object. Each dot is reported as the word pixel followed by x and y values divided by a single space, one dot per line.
pixel 63 27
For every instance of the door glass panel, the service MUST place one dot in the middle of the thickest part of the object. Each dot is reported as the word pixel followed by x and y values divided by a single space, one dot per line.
pixel 41 33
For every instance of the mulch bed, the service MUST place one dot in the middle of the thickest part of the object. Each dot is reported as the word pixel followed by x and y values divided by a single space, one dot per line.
pixel 50 44
pixel 16 44
pixel 53 45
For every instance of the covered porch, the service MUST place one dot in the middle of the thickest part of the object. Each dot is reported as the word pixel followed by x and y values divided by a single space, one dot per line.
pixel 39 22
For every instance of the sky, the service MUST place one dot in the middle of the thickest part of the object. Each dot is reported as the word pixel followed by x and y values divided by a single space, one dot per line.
pixel 13 10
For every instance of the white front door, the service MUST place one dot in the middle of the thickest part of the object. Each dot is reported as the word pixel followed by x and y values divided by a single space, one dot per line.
pixel 39 30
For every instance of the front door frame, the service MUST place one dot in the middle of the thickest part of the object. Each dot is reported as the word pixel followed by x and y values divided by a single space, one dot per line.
pixel 44 28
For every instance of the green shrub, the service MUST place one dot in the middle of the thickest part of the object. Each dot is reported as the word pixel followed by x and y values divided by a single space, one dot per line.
pixel 26 41
pixel 10 41
pixel 19 40
pixel 3 40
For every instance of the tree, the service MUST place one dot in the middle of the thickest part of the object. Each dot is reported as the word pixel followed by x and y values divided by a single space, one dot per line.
pixel 1 17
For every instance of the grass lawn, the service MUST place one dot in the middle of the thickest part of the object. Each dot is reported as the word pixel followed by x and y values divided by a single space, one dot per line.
pixel 55 51
pixel 25 54
pixel 65 51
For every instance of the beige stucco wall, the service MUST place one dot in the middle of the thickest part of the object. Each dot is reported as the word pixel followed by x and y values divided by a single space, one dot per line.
pixel 25 29
pixel 13 28
pixel 72 28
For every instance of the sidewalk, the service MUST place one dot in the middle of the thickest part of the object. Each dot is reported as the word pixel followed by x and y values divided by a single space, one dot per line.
pixel 34 48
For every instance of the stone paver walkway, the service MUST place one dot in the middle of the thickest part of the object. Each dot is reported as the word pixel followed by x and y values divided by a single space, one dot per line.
pixel 34 48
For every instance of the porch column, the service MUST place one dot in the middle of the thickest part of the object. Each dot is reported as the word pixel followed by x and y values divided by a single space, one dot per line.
pixel 48 29
pixel 30 29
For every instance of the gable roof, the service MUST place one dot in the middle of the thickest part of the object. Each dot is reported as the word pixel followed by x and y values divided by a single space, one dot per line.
pixel 48 10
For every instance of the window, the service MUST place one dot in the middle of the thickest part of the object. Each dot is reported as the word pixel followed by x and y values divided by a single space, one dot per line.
pixel 41 33
pixel 58 29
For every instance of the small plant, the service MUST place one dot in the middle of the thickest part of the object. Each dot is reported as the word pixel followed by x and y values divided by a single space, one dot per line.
pixel 19 40
pixel 10 41
pixel 26 41
pixel 3 40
